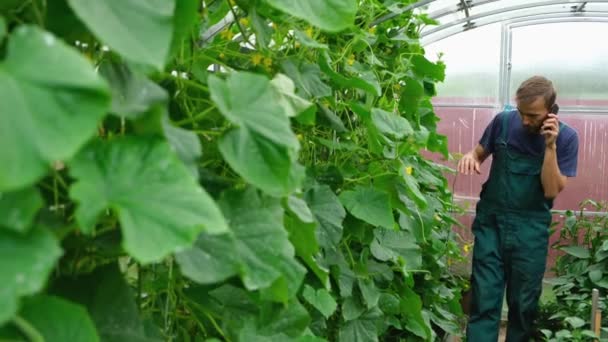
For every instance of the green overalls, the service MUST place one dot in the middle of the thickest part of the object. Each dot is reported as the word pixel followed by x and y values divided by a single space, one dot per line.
pixel 511 237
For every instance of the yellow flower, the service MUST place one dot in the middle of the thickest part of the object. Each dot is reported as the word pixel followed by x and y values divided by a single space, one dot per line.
pixel 267 62
pixel 244 21
pixel 372 30
pixel 227 34
pixel 222 56
pixel 299 136
pixel 297 44
pixel 351 60
pixel 466 248
pixel 309 32
pixel 437 217
pixel 256 59
pixel 409 170
pixel 232 3
pixel 397 86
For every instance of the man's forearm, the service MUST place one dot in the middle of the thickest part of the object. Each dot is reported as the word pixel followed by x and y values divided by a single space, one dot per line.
pixel 551 177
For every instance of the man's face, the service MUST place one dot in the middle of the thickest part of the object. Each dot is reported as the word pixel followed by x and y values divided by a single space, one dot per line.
pixel 533 114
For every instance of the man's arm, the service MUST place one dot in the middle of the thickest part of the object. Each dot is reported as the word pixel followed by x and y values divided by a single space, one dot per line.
pixel 471 161
pixel 551 177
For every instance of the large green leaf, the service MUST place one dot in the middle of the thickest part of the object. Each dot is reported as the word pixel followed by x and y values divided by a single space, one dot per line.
pixel 212 259
pixel 133 94
pixel 362 329
pixel 411 308
pixel 370 205
pixel 251 101
pixel 291 103
pixel 57 319
pixel 321 299
pixel 2 28
pixel 397 246
pixel 369 292
pixel 185 22
pixel 303 237
pixel 26 260
pixel 577 251
pixel 307 78
pixel 257 249
pixel 140 30
pixel 343 81
pixel 329 15
pixel 109 301
pixel 185 143
pixel 391 124
pixel 18 209
pixel 425 68
pixel 261 241
pixel 160 206
pixel 328 211
pixel 51 100
pixel 261 162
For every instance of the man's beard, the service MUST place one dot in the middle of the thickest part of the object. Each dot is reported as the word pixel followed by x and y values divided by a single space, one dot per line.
pixel 532 129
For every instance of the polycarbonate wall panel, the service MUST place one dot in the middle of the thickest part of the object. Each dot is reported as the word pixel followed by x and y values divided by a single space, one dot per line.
pixel 572 55
pixel 472 66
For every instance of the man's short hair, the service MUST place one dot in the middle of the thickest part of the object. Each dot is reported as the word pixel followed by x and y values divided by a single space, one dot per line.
pixel 535 87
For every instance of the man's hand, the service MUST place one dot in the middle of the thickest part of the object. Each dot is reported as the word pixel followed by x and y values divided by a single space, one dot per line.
pixel 550 129
pixel 468 164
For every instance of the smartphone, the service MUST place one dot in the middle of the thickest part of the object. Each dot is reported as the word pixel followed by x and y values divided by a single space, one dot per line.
pixel 554 109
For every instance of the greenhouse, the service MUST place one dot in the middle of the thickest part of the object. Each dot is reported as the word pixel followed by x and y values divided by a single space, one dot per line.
pixel 303 170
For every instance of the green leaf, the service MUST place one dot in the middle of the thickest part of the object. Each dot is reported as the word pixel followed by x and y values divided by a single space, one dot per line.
pixel 47 90
pixel 575 322
pixel 362 329
pixel 160 206
pixel 577 251
pixel 133 94
pixel 307 78
pixel 291 319
pixel 26 261
pixel 396 245
pixel 412 188
pixel 139 30
pixel 299 207
pixel 391 124
pixel 263 32
pixel 57 319
pixel 328 211
pixel 329 15
pixel 411 95
pixel 303 237
pixel 18 209
pixel 411 306
pixel 389 304
pixel 425 68
pixel 109 301
pixel 261 241
pixel 308 41
pixel 185 22
pixel 185 143
pixel 261 162
pixel 2 28
pixel 596 275
pixel 369 291
pixel 291 103
pixel 321 299
pixel 352 309
pixel 251 101
pixel 212 259
pixel 370 205
pixel 346 82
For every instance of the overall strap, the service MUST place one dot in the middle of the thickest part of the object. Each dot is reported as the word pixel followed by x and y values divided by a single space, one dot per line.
pixel 504 135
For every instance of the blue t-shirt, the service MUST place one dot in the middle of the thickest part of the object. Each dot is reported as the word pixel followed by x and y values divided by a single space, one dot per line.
pixel 534 144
